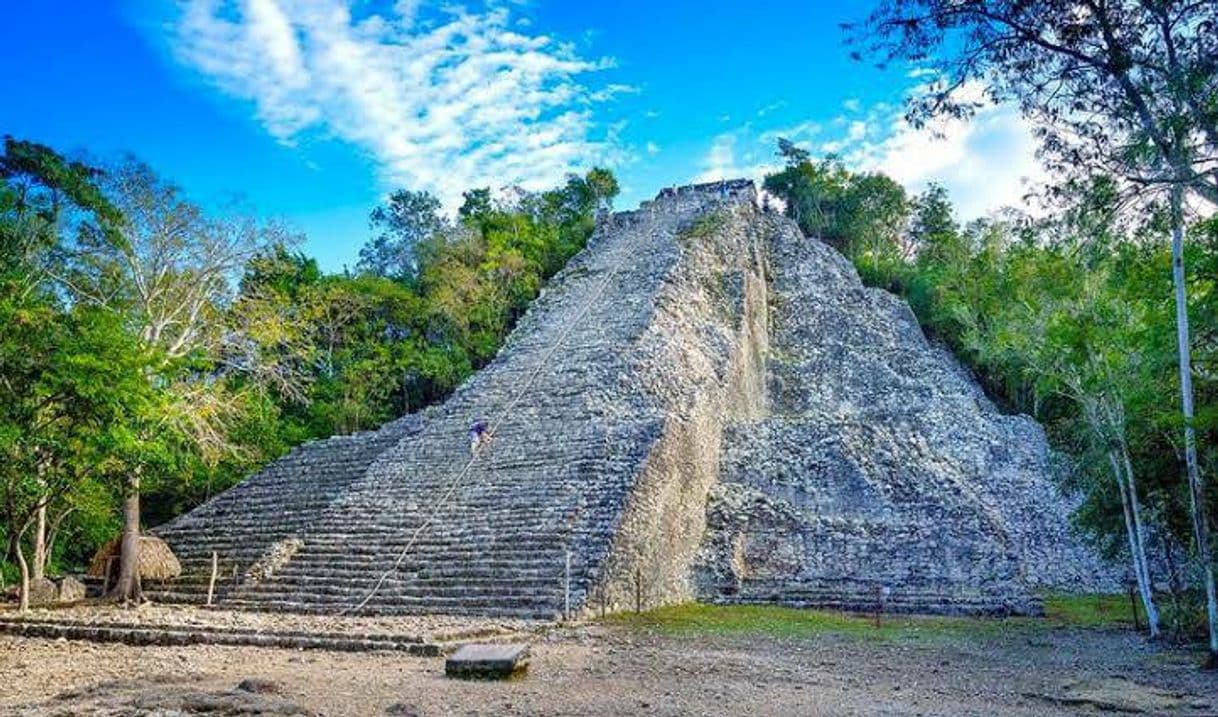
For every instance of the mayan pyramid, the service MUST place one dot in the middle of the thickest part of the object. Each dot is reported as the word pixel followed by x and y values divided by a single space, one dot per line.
pixel 703 404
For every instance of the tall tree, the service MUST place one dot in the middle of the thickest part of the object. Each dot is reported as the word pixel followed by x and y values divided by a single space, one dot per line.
pixel 167 272
pixel 405 221
pixel 933 230
pixel 1121 87
pixel 43 377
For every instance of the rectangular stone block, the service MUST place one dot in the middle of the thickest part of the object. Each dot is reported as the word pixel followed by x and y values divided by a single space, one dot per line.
pixel 488 662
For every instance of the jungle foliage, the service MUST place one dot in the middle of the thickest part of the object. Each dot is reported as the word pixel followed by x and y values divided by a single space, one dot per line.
pixel 1069 319
pixel 153 353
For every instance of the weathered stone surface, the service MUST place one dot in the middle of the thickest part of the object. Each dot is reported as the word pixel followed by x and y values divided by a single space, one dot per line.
pixel 259 686
pixel 160 697
pixel 70 590
pixel 43 592
pixel 697 349
pixel 488 662
pixel 1117 694
pixel 277 556
pixel 882 467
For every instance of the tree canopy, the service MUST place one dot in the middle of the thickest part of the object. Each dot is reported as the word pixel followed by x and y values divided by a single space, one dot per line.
pixel 153 353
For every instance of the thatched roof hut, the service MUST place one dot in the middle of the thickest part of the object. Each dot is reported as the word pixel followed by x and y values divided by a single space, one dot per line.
pixel 157 561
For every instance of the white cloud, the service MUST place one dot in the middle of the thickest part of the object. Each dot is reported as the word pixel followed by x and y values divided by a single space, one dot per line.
pixel 986 163
pixel 799 133
pixel 461 99
pixel 653 149
pixel 724 160
pixel 772 107
pixel 852 105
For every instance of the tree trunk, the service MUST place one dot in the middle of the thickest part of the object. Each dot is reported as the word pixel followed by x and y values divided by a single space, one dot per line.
pixel 39 568
pixel 1135 507
pixel 1195 486
pixel 10 549
pixel 53 531
pixel 24 604
pixel 1136 552
pixel 127 588
pixel 24 594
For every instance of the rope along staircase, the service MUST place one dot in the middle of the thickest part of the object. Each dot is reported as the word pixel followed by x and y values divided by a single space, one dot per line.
pixel 403 520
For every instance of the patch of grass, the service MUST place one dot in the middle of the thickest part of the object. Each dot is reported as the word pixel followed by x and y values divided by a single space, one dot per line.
pixel 694 619
pixel 1107 611
pixel 783 622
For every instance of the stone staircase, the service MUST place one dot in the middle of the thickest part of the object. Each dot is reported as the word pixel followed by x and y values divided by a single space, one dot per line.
pixel 384 523
pixel 702 404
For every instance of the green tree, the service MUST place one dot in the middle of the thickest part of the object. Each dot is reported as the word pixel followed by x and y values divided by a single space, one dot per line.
pixel 862 215
pixel 934 234
pixel 402 223
pixel 166 271
pixel 49 390
pixel 1121 88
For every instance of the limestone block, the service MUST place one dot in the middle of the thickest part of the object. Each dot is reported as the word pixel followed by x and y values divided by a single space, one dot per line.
pixel 488 662
pixel 70 590
pixel 43 592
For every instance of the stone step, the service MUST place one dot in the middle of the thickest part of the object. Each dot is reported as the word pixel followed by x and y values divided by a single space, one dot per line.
pixel 173 635
pixel 941 599
pixel 451 544
pixel 391 607
pixel 530 522
pixel 322 587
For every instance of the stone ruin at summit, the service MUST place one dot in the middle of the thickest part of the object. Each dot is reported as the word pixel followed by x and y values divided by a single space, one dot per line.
pixel 705 405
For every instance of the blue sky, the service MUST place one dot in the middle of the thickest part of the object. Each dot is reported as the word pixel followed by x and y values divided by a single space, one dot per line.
pixel 311 110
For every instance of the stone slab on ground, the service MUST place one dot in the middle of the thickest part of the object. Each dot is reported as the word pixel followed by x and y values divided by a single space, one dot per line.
pixel 488 662
pixel 162 697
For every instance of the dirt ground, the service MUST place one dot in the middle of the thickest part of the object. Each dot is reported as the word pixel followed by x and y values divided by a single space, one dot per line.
pixel 618 670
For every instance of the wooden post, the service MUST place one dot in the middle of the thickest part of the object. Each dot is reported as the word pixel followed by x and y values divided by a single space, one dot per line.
pixel 881 594
pixel 106 575
pixel 1133 603
pixel 215 569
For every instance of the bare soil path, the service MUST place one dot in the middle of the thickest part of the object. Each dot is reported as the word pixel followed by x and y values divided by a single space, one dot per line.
pixel 624 669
